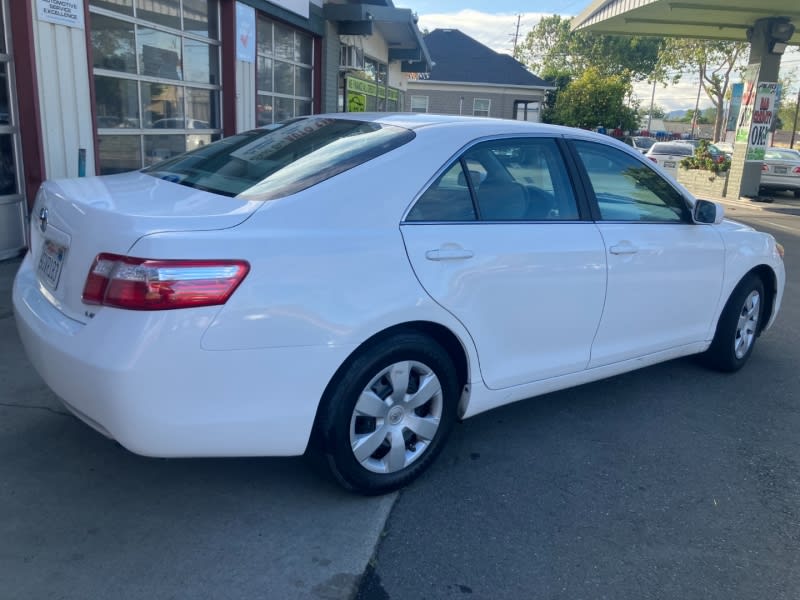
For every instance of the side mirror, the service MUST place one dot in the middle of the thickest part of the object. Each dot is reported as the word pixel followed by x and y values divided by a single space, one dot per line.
pixel 708 212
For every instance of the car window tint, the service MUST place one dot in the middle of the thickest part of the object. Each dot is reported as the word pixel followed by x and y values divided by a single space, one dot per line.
pixel 283 158
pixel 448 199
pixel 627 189
pixel 521 180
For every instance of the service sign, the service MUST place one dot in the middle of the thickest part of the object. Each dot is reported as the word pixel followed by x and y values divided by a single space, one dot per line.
pixel 61 12
pixel 761 123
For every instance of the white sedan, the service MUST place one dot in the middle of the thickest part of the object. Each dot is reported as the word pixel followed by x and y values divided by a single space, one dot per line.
pixel 351 285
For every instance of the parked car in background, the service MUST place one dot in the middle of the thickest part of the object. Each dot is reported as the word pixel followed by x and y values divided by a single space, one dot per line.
pixel 668 155
pixel 725 147
pixel 322 285
pixel 780 170
pixel 640 142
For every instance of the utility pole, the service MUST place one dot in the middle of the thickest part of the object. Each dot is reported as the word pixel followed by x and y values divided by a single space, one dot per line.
pixel 516 36
pixel 696 107
pixel 794 127
pixel 650 115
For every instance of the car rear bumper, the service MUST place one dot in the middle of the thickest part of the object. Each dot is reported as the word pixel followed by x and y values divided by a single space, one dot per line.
pixel 778 182
pixel 143 379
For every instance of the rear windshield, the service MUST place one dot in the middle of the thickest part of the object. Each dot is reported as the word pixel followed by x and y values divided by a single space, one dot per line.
pixel 781 155
pixel 678 149
pixel 281 159
pixel 644 142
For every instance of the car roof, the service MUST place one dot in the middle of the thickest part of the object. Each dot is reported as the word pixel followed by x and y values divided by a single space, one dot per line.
pixel 419 120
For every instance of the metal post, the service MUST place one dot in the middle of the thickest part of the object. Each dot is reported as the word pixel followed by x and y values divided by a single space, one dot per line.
pixel 696 107
pixel 794 127
pixel 652 100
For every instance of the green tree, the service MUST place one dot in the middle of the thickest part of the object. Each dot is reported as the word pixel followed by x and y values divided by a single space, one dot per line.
pixel 552 46
pixel 659 112
pixel 594 99
pixel 713 60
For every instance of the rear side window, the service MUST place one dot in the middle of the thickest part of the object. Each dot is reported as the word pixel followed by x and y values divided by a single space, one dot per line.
pixel 282 159
pixel 502 180
pixel 627 189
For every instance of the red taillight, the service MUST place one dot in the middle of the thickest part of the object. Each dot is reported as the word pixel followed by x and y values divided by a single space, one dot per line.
pixel 146 284
pixel 796 170
pixel 764 167
pixel 653 159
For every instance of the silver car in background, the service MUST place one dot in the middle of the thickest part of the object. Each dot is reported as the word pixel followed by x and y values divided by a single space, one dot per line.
pixel 781 170
pixel 668 155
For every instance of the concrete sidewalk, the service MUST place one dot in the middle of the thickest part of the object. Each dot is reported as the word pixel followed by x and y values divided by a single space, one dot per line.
pixel 80 517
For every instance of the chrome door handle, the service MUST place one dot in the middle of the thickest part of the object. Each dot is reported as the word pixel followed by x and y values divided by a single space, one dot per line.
pixel 623 249
pixel 449 254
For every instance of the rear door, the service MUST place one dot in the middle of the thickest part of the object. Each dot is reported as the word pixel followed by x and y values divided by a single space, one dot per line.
pixel 664 271
pixel 498 240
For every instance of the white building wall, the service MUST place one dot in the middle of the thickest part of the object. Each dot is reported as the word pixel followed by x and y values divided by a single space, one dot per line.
pixel 64 97
pixel 245 96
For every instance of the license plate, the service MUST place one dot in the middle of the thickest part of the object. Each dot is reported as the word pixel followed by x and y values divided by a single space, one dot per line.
pixel 780 170
pixel 669 164
pixel 50 261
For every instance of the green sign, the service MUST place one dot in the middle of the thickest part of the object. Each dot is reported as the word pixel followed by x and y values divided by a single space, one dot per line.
pixel 369 88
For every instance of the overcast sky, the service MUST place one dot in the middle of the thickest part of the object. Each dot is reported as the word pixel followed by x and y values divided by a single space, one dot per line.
pixel 493 23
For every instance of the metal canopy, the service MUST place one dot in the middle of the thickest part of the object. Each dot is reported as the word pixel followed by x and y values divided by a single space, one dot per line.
pixel 706 19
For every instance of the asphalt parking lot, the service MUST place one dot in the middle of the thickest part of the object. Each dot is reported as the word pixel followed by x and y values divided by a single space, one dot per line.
pixel 670 482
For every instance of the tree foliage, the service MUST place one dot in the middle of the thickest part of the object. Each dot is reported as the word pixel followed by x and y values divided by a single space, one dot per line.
pixel 551 46
pixel 593 99
pixel 714 60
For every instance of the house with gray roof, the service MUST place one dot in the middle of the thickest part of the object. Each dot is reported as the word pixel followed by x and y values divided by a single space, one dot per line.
pixel 468 78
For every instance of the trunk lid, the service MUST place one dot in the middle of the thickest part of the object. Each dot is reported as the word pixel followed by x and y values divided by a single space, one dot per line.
pixel 74 220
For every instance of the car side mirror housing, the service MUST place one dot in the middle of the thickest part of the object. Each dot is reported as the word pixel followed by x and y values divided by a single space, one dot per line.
pixel 708 212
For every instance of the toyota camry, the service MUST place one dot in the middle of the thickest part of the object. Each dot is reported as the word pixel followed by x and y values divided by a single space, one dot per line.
pixel 350 285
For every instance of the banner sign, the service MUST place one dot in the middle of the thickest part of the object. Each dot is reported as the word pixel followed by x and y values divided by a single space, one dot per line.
pixel 61 12
pixel 763 113
pixel 245 33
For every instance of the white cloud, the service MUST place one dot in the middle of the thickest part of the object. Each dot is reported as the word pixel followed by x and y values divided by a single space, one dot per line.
pixel 493 30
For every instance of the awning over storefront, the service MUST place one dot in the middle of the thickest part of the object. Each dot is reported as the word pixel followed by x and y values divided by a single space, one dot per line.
pixel 706 19
pixel 398 26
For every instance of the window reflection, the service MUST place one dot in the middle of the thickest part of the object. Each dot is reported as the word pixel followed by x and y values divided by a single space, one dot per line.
pixel 159 54
pixel 119 153
pixel 162 106
pixel 161 147
pixel 163 12
pixel 113 44
pixel 117 102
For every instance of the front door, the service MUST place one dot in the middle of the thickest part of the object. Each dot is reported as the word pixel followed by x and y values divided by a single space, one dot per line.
pixel 664 271
pixel 498 241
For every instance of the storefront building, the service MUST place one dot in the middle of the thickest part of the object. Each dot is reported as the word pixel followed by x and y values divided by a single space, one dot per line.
pixel 116 85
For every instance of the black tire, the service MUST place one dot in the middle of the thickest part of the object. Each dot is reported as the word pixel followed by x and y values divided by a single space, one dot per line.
pixel 730 349
pixel 338 422
pixel 797 193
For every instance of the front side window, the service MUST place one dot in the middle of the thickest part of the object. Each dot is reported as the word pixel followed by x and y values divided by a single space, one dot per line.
pixel 481 107
pixel 283 158
pixel 505 180
pixel 627 189
pixel 156 79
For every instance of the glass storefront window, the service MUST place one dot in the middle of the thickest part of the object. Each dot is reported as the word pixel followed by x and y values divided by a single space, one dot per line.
pixel 199 18
pixel 162 12
pixel 119 153
pixel 201 110
pixel 162 147
pixel 157 88
pixel 5 107
pixel 117 102
pixel 201 62
pixel 121 6
pixel 284 72
pixel 159 54
pixel 113 44
pixel 8 174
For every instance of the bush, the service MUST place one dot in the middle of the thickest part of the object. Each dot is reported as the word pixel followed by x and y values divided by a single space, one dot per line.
pixel 704 160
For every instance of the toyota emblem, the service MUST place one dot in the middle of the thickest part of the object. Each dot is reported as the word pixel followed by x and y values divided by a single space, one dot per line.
pixel 43 220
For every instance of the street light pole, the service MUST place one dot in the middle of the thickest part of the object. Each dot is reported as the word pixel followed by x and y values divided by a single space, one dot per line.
pixel 794 127
pixel 696 107
pixel 650 114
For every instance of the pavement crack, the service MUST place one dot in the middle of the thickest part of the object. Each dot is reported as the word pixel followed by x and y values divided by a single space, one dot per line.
pixel 36 407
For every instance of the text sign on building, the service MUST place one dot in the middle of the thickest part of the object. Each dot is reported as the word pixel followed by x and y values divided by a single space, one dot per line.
pixel 763 113
pixel 299 7
pixel 61 12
